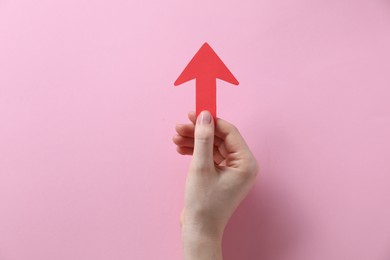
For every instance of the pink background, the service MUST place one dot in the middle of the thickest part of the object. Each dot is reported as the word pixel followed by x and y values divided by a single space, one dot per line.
pixel 88 109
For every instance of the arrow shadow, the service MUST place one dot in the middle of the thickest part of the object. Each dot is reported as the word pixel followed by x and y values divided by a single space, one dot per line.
pixel 263 227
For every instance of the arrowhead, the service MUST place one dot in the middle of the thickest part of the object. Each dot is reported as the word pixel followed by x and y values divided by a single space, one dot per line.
pixel 206 63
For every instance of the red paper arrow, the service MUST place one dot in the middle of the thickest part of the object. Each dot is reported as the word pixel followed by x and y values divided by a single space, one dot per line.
pixel 206 67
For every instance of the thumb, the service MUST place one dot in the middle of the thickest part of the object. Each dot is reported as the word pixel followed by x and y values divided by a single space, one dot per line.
pixel 204 141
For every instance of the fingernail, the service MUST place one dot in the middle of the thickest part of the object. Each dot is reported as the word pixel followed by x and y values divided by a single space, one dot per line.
pixel 205 118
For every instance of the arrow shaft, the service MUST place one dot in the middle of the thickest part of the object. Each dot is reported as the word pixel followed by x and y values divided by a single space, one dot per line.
pixel 206 95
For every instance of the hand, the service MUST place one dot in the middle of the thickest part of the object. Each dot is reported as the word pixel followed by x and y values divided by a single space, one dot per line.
pixel 221 173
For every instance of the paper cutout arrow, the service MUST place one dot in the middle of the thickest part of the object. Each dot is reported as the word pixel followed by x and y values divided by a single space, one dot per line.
pixel 206 67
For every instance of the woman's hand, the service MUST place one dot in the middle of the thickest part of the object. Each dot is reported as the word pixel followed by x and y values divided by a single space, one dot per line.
pixel 221 173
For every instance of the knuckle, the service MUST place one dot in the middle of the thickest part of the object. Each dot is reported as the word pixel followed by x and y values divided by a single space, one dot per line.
pixel 251 168
pixel 204 133
pixel 234 129
pixel 204 139
pixel 180 150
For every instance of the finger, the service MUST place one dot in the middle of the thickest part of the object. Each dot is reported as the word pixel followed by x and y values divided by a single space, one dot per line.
pixel 218 158
pixel 217 140
pixel 186 130
pixel 222 150
pixel 204 141
pixel 192 117
pixel 233 140
pixel 183 141
pixel 184 150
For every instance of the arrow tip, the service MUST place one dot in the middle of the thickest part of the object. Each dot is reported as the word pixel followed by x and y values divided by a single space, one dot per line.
pixel 206 62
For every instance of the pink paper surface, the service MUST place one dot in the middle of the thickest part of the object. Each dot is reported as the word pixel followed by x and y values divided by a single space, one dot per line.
pixel 88 108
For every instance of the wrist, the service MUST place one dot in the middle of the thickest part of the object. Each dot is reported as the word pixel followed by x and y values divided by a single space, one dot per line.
pixel 201 226
pixel 201 244
pixel 200 232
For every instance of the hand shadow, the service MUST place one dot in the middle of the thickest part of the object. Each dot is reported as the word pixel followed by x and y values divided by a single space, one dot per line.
pixel 264 227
